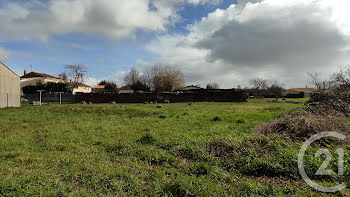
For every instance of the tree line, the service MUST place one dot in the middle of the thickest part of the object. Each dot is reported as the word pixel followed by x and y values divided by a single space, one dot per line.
pixel 165 78
pixel 158 78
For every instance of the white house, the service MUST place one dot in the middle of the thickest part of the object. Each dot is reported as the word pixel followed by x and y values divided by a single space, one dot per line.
pixel 81 88
pixel 10 95
pixel 33 78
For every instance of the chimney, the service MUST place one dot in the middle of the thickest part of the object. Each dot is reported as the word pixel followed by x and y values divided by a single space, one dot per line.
pixel 25 72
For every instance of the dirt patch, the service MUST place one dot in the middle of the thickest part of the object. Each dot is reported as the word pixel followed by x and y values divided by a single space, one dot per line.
pixel 183 164
pixel 220 149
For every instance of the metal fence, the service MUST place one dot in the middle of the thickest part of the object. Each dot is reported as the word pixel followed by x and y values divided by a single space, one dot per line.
pixel 49 98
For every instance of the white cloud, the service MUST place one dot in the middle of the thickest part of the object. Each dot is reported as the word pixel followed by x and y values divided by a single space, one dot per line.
pixel 116 77
pixel 4 54
pixel 270 38
pixel 91 81
pixel 113 18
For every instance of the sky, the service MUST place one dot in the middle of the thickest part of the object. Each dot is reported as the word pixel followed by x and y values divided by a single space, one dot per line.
pixel 224 41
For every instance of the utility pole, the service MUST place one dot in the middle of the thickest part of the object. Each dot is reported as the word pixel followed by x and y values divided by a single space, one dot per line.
pixel 60 96
pixel 40 92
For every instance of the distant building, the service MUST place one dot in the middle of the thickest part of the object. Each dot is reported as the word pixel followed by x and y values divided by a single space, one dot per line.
pixel 190 88
pixel 33 78
pixel 10 95
pixel 100 88
pixel 125 90
pixel 299 92
pixel 81 88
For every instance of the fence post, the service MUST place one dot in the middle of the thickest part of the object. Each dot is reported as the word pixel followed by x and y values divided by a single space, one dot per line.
pixel 40 92
pixel 7 99
pixel 60 96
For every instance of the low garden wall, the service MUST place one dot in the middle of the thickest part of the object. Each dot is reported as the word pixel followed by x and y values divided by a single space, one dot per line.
pixel 172 97
pixel 50 98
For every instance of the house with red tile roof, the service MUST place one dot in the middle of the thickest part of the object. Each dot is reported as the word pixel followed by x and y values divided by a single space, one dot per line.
pixel 100 88
pixel 299 92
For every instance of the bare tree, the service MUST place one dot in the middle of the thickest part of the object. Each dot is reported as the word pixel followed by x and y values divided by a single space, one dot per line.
pixel 315 80
pixel 214 85
pixel 76 73
pixel 276 89
pixel 147 79
pixel 63 76
pixel 342 78
pixel 258 84
pixel 132 77
pixel 167 78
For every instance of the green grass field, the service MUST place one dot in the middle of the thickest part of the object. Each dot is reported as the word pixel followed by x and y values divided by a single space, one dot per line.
pixel 139 150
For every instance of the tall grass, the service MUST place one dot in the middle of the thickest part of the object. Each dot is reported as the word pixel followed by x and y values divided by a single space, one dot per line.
pixel 141 150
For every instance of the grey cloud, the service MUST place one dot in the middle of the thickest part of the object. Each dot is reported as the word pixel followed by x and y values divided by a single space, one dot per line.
pixel 270 39
pixel 265 42
pixel 115 19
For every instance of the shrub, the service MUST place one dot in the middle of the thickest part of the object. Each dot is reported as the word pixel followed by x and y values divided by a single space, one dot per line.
pixel 140 86
pixel 336 101
pixel 240 121
pixel 327 112
pixel 49 87
pixel 147 139
pixel 217 118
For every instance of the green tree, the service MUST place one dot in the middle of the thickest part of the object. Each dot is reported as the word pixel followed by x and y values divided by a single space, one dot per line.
pixel 140 86
pixel 110 87
pixel 104 82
